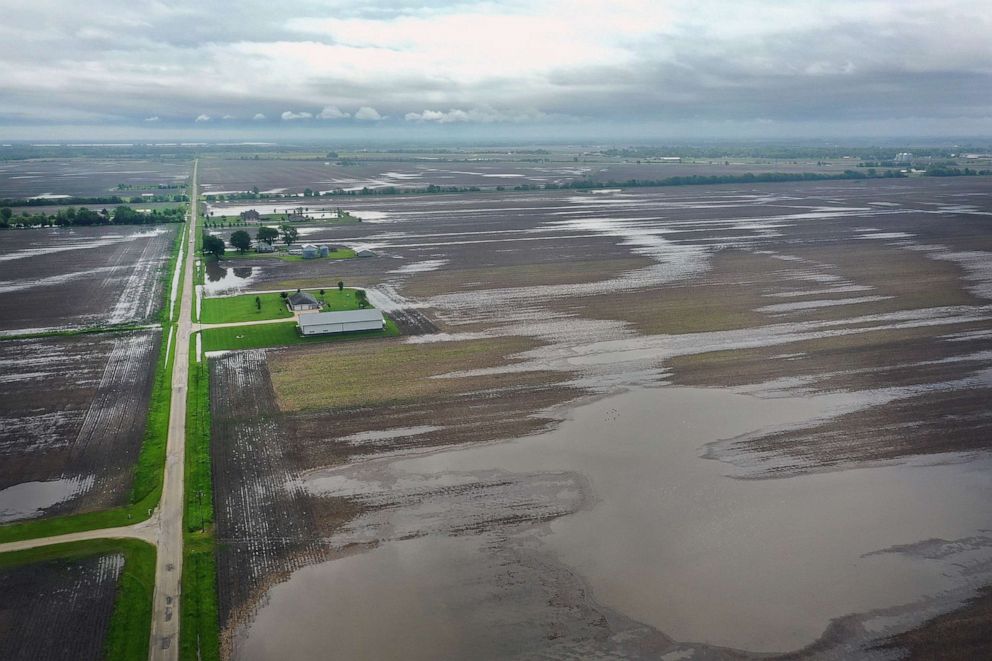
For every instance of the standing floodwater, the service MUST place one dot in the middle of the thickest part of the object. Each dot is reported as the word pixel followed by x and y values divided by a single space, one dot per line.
pixel 658 534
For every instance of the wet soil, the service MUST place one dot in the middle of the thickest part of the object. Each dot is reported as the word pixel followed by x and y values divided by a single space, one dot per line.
pixel 57 610
pixel 381 466
pixel 82 276
pixel 72 419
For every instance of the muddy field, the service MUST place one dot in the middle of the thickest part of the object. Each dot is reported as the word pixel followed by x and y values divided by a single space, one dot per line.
pixel 219 176
pixel 58 609
pixel 86 177
pixel 84 276
pixel 72 417
pixel 707 421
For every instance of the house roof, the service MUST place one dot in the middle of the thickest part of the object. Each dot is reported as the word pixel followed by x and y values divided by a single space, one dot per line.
pixel 348 316
pixel 302 298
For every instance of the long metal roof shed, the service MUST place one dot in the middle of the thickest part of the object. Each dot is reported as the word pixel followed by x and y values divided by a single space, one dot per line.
pixel 320 323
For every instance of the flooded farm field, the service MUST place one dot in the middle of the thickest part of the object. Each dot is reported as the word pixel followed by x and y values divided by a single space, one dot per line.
pixel 72 418
pixel 225 176
pixel 63 278
pixel 86 177
pixel 708 422
pixel 58 609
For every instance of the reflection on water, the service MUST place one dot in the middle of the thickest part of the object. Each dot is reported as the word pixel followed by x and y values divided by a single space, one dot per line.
pixel 30 499
pixel 223 279
pixel 659 535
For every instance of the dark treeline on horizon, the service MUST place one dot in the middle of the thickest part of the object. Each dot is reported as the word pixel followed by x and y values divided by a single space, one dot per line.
pixel 83 217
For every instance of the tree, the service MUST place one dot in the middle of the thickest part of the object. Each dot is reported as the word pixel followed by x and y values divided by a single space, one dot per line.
pixel 289 234
pixel 241 241
pixel 267 234
pixel 6 214
pixel 258 303
pixel 213 245
pixel 284 295
pixel 340 285
pixel 362 298
pixel 322 293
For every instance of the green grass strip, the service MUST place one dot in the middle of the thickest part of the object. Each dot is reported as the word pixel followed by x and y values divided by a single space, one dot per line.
pixel 199 629
pixel 340 253
pixel 263 336
pixel 127 635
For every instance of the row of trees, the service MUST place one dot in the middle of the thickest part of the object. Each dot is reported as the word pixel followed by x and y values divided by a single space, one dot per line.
pixel 71 216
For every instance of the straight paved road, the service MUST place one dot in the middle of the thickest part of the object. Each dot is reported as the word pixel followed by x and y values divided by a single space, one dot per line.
pixel 169 564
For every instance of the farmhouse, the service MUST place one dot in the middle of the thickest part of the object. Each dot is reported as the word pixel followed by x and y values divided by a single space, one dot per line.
pixel 324 323
pixel 302 301
pixel 251 214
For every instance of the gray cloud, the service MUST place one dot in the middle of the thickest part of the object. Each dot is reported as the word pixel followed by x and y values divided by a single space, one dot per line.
pixel 421 64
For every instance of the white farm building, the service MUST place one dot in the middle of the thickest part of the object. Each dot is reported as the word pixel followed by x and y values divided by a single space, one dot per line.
pixel 323 323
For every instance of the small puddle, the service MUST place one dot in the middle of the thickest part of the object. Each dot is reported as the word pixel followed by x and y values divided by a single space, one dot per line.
pixel 658 534
pixel 30 499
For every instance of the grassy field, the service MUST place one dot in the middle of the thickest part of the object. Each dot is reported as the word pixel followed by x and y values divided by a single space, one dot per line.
pixel 376 373
pixel 132 617
pixel 199 635
pixel 340 253
pixel 227 309
pixel 262 336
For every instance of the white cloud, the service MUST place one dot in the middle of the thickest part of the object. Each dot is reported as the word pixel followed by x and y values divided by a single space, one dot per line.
pixel 259 117
pixel 152 119
pixel 367 114
pixel 227 117
pixel 290 116
pixel 202 118
pixel 332 112
pixel 479 115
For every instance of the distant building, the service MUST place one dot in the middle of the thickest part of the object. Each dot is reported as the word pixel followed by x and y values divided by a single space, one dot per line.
pixel 296 218
pixel 903 157
pixel 301 301
pixel 251 214
pixel 323 250
pixel 365 252
pixel 262 246
pixel 309 251
pixel 324 323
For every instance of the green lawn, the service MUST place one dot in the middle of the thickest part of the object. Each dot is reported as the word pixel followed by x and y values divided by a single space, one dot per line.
pixel 227 309
pixel 261 336
pixel 340 253
pixel 127 637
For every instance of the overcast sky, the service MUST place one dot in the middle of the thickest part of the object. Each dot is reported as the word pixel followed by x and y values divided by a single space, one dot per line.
pixel 620 69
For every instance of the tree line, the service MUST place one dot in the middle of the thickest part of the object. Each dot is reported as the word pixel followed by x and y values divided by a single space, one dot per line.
pixel 82 217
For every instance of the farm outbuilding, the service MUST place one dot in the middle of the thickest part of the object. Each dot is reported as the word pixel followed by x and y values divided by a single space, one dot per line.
pixel 251 214
pixel 301 301
pixel 324 323
pixel 262 246
pixel 310 251
pixel 323 250
pixel 364 252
